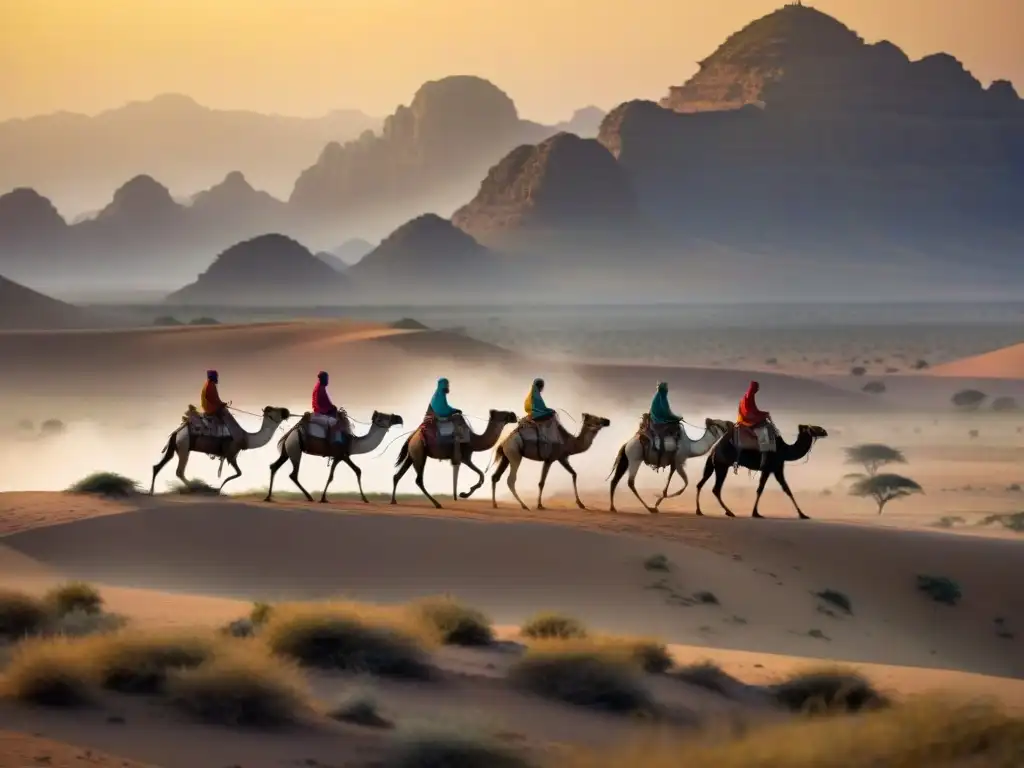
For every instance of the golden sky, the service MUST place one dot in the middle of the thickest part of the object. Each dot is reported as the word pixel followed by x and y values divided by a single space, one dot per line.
pixel 309 56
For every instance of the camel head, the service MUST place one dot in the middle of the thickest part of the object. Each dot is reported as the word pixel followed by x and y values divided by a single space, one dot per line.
pixel 813 431
pixel 594 423
pixel 504 417
pixel 386 420
pixel 717 426
pixel 275 414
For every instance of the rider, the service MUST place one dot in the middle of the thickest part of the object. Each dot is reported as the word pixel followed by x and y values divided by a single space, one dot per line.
pixel 756 420
pixel 665 422
pixel 441 410
pixel 537 411
pixel 322 406
pixel 215 409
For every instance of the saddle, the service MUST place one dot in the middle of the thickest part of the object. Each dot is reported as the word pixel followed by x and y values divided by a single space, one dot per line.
pixel 200 425
pixel 321 426
pixel 533 431
pixel 660 438
pixel 760 438
pixel 446 430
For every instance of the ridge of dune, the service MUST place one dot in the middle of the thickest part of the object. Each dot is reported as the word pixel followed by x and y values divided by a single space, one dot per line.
pixel 1004 363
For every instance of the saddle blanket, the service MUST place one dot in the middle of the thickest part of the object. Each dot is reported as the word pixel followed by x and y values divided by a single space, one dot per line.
pixel 201 426
pixel 761 439
pixel 532 431
pixel 447 430
pixel 319 425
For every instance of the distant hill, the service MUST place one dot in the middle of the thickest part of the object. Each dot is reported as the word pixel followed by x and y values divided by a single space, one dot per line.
pixel 236 202
pixel 585 123
pixel 266 270
pixel 22 308
pixel 352 250
pixel 76 160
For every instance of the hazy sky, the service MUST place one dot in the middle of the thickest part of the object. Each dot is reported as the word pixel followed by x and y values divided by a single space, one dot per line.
pixel 310 56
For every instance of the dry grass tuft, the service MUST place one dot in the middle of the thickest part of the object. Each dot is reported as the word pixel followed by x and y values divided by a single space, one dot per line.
pixel 360 708
pixel 74 596
pixel 920 734
pixel 449 748
pixel 140 662
pixel 553 626
pixel 352 637
pixel 245 687
pixel 707 675
pixel 828 691
pixel 21 615
pixel 584 674
pixel 455 624
pixel 50 672
pixel 105 484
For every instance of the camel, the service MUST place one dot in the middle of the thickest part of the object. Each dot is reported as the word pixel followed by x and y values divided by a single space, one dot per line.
pixel 725 455
pixel 514 449
pixel 297 441
pixel 635 453
pixel 183 441
pixel 417 449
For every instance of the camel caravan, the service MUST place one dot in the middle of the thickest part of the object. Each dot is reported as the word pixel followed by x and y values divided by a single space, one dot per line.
pixel 444 434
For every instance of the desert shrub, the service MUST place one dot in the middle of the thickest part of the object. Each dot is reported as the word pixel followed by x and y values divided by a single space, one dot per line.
pixel 50 672
pixel 919 365
pixel 455 623
pixel 348 637
pixel 20 615
pixel 874 455
pixel 827 691
pixel 551 626
pixel 924 733
pixel 450 748
pixel 968 399
pixel 74 596
pixel 1013 521
pixel 973 434
pixel 940 589
pixel 199 487
pixel 657 563
pixel 360 708
pixel 1004 404
pixel 167 320
pixel 260 613
pixel 586 677
pixel 948 521
pixel 241 688
pixel 52 427
pixel 884 488
pixel 836 598
pixel 204 321
pixel 858 370
pixel 78 623
pixel 139 662
pixel 105 484
pixel 874 387
pixel 706 675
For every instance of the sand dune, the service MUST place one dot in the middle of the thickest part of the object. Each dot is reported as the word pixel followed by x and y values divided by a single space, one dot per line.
pixel 1005 363
pixel 764 574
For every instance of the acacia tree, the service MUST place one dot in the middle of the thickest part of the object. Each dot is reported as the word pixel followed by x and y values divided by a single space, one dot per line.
pixel 884 488
pixel 968 399
pixel 874 455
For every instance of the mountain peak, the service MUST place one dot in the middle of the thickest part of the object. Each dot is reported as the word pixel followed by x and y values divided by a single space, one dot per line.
pixel 141 196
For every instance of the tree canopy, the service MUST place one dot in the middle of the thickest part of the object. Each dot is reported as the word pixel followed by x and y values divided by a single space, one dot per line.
pixel 884 488
pixel 874 455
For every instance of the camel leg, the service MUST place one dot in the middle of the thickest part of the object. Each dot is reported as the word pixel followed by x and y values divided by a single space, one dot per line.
pixel 468 461
pixel 680 469
pixel 278 463
pixel 761 483
pixel 419 464
pixel 455 480
pixel 513 463
pixel 168 455
pixel 540 486
pixel 634 467
pixel 398 476
pixel 359 477
pixel 179 473
pixel 330 478
pixel 294 476
pixel 621 465
pixel 780 478
pixel 564 461
pixel 709 469
pixel 495 477
pixel 720 474
pixel 233 463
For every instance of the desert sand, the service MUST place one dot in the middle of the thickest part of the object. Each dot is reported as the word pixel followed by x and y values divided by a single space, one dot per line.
pixel 192 560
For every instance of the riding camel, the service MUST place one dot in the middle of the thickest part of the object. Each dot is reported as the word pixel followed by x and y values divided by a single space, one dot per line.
pixel 517 447
pixel 725 455
pixel 640 449
pixel 299 440
pixel 196 434
pixel 422 446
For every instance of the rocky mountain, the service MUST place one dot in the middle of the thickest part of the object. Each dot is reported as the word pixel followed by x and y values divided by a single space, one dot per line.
pixel 266 270
pixel 235 203
pixel 76 160
pixel 352 250
pixel 429 154
pixel 22 308
pixel 585 123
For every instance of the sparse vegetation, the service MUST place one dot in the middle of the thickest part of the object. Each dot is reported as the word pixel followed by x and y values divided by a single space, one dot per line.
pixel 919 365
pixel 21 615
pixel 1004 404
pixel 949 521
pixel 874 387
pixel 167 320
pixel 74 596
pixel 884 488
pixel 348 637
pixel 455 623
pixel 828 692
pixel 48 673
pixel 858 370
pixel 968 399
pixel 836 598
pixel 140 662
pixel 872 456
pixel 707 675
pixel 657 563
pixel 105 484
pixel 584 676
pixel 360 708
pixel 199 487
pixel 940 589
pixel 52 428
pixel 444 748
pixel 204 321
pixel 553 626
pixel 1013 521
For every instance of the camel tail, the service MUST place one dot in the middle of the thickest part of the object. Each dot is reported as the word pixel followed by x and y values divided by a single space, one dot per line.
pixel 620 460
pixel 220 467
pixel 171 440
pixel 402 454
pixel 499 454
pixel 284 437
